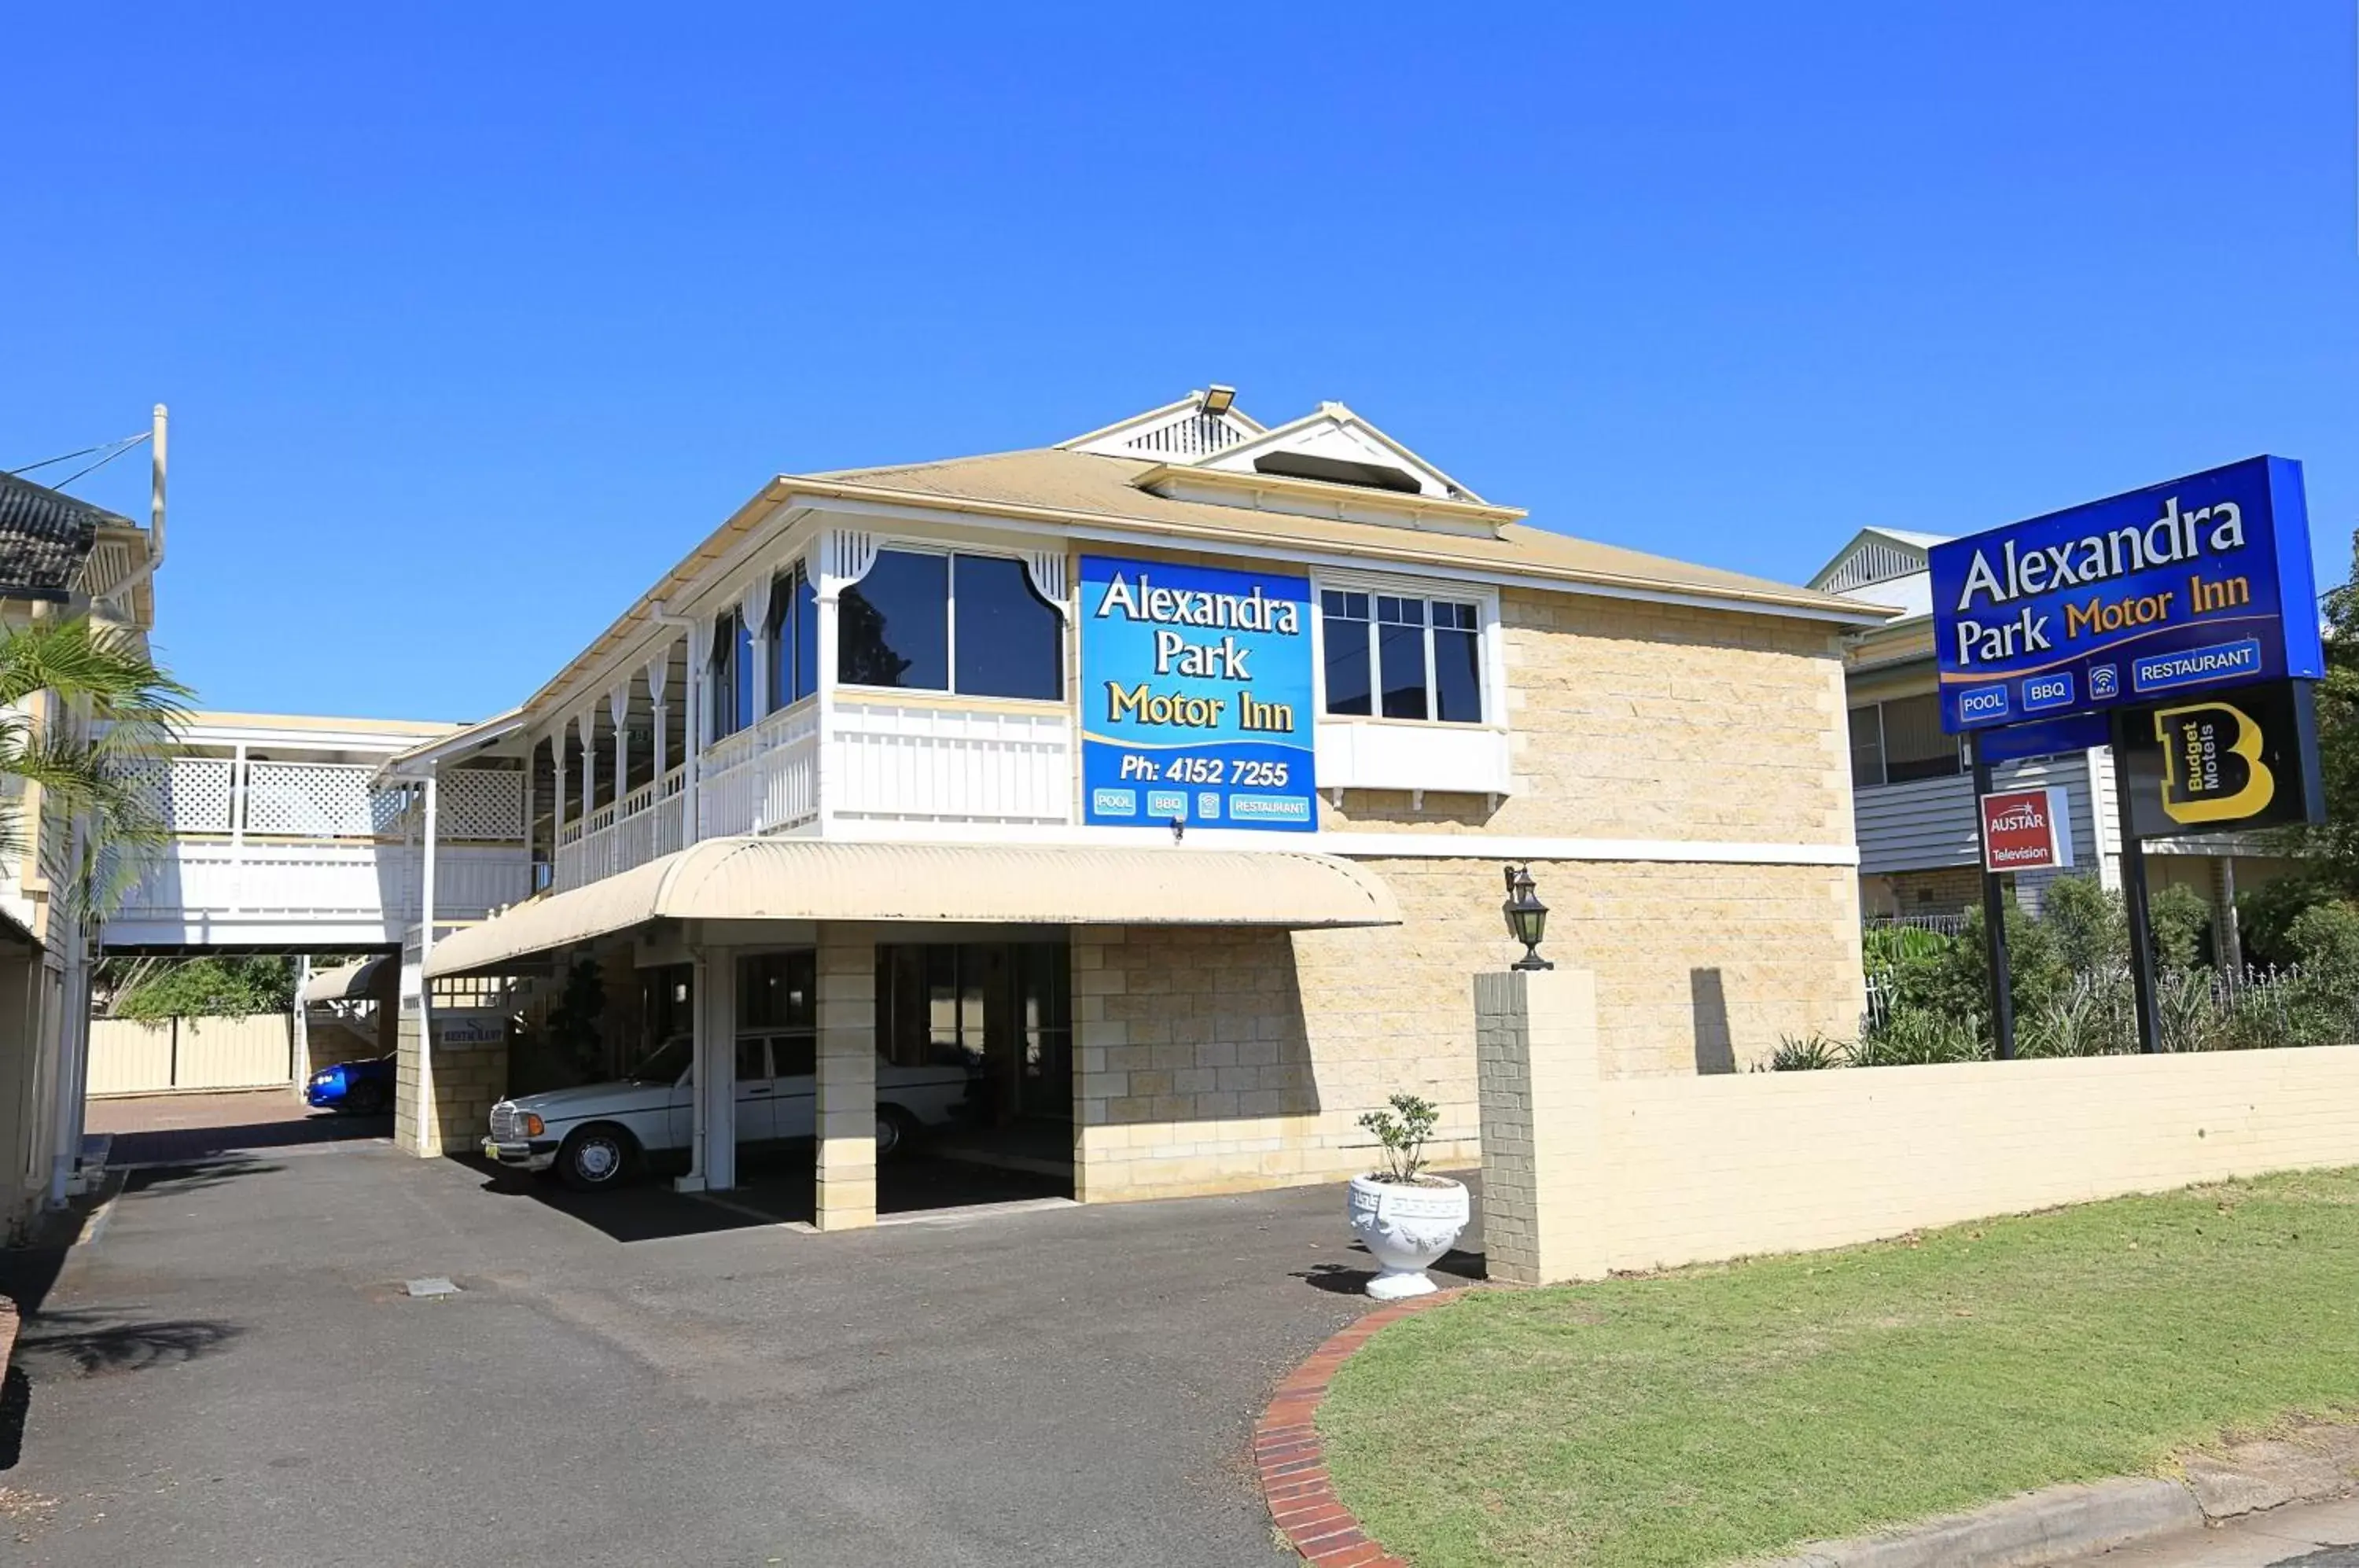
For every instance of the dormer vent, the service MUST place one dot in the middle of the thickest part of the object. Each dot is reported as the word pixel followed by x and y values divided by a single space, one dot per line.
pixel 1338 471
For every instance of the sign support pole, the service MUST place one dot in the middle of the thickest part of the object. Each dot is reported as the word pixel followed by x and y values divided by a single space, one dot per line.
pixel 1995 926
pixel 2133 893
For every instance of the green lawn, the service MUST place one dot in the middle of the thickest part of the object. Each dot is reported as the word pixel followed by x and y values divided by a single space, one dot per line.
pixel 1715 1412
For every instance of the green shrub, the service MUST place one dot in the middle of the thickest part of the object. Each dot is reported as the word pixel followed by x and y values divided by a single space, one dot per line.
pixel 1812 1053
pixel 2180 921
pixel 2090 930
pixel 2265 916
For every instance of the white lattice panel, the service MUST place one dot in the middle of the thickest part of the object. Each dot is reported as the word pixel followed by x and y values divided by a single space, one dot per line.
pixel 480 803
pixel 190 793
pixel 310 799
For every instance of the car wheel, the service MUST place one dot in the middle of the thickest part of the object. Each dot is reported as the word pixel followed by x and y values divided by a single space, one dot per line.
pixel 367 1100
pixel 896 1133
pixel 594 1159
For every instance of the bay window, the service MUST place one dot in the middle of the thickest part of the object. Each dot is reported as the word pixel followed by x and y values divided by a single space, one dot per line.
pixel 969 625
pixel 794 638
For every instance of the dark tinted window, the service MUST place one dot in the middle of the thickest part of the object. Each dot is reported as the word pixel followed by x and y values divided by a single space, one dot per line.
pixel 1457 664
pixel 1344 632
pixel 732 675
pixel 1010 640
pixel 1400 656
pixel 753 1059
pixel 775 990
pixel 795 1055
pixel 794 639
pixel 893 626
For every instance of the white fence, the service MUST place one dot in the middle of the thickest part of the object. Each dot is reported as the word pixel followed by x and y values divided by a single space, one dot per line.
pixel 131 1056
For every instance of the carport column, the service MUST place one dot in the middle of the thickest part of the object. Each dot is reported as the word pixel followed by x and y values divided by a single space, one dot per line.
pixel 846 1108
pixel 1544 1203
pixel 714 1149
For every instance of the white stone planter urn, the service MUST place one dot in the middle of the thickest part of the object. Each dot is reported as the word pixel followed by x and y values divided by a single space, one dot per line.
pixel 1406 1226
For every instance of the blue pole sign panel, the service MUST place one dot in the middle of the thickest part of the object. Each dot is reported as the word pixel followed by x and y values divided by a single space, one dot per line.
pixel 2201 582
pixel 1195 696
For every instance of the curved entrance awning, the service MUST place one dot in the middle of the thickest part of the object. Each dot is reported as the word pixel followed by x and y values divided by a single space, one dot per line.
pixel 813 879
pixel 348 982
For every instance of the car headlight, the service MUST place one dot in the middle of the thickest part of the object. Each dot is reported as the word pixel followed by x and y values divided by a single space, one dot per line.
pixel 533 1125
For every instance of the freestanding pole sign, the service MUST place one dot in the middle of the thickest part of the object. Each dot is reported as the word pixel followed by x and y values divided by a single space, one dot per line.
pixel 2184 618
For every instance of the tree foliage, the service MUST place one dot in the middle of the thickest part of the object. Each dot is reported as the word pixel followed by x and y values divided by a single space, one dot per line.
pixel 199 987
pixel 110 706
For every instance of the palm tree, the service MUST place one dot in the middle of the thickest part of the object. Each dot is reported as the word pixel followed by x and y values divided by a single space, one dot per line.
pixel 113 710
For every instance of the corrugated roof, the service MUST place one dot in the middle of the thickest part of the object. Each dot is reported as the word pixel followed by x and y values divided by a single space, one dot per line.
pixel 45 536
pixel 817 879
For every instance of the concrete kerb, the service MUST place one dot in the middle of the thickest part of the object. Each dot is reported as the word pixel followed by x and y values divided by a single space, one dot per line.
pixel 2313 1463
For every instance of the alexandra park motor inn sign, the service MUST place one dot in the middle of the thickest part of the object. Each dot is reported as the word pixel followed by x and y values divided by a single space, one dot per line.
pixel 2026 830
pixel 1195 696
pixel 2200 583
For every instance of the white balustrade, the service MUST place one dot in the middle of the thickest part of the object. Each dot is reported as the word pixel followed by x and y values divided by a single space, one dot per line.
pixel 621 835
pixel 764 778
pixel 910 762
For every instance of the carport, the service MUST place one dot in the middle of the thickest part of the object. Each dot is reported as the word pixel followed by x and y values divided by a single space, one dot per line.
pixel 706 904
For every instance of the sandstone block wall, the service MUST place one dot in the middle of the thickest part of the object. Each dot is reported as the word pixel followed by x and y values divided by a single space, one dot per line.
pixel 468 1082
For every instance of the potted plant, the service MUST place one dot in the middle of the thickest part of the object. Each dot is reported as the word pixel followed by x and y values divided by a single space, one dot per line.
pixel 1403 1216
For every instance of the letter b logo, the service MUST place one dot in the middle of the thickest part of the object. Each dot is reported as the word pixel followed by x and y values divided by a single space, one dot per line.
pixel 2212 767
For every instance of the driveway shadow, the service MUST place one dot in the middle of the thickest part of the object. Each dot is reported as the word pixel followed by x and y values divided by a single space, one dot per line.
pixel 184 1145
pixel 75 1343
pixel 772 1189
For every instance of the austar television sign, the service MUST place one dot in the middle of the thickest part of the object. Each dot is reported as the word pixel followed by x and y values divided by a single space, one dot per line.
pixel 2201 582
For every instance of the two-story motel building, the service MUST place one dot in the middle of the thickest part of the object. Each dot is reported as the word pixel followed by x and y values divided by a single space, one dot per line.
pixel 1168 774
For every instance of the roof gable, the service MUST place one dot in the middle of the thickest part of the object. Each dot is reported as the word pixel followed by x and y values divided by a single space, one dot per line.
pixel 1876 555
pixel 1333 434
pixel 1177 433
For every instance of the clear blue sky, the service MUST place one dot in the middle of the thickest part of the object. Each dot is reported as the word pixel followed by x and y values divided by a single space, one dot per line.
pixel 470 325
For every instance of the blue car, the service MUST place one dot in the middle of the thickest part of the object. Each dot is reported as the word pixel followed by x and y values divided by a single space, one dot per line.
pixel 363 1088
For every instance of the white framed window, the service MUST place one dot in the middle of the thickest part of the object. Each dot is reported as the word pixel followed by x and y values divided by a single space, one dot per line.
pixel 1403 651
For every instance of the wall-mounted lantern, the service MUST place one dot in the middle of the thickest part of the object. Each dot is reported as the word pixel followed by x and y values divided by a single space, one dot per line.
pixel 1526 917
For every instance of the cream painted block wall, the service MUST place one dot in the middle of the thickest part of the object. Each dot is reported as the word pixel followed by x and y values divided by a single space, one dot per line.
pixel 845 1105
pixel 1719 1168
pixel 468 1083
pixel 1586 1174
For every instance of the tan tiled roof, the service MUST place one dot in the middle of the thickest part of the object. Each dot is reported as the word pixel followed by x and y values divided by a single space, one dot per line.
pixel 1088 486
pixel 1051 484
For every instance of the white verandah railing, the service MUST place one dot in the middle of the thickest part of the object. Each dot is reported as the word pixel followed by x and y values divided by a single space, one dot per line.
pixel 621 834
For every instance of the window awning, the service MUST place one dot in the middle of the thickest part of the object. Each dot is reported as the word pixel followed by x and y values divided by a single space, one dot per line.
pixel 354 982
pixel 811 879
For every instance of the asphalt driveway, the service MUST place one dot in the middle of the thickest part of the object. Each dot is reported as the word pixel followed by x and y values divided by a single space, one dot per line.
pixel 231 1372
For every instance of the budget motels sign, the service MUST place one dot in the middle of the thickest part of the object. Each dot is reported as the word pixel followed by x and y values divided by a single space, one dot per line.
pixel 1195 696
pixel 2200 583
pixel 2026 830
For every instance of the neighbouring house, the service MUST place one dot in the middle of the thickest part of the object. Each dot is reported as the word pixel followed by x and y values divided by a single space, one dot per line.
pixel 1912 785
pixel 59 556
pixel 1165 776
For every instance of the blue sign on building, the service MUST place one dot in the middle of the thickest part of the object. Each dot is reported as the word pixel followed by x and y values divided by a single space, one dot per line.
pixel 1195 696
pixel 2200 583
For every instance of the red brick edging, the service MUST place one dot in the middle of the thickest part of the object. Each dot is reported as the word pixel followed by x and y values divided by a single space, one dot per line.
pixel 1292 1464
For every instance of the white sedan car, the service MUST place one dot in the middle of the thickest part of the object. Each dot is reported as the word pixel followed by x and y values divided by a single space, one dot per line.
pixel 597 1136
